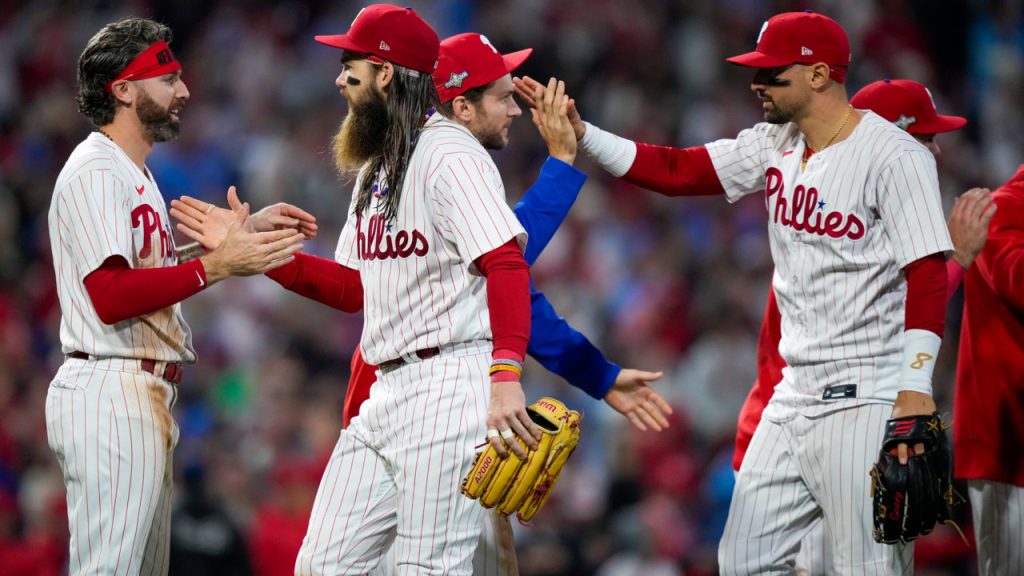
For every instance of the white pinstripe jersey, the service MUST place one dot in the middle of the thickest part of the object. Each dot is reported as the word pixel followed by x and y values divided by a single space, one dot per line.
pixel 103 206
pixel 420 287
pixel 840 232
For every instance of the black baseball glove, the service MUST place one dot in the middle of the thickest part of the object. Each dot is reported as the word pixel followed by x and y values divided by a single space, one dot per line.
pixel 909 499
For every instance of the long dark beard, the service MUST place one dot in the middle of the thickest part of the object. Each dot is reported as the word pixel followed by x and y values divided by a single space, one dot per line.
pixel 157 121
pixel 362 133
pixel 409 96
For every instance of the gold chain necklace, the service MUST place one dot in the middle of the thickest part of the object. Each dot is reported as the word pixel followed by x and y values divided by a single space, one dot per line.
pixel 846 118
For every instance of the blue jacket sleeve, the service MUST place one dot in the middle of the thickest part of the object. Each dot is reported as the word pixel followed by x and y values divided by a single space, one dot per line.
pixel 546 203
pixel 563 350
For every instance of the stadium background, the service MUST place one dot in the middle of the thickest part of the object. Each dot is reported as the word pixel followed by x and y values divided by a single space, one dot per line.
pixel 660 284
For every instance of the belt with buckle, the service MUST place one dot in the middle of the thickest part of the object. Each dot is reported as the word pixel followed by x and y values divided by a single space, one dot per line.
pixel 422 354
pixel 171 371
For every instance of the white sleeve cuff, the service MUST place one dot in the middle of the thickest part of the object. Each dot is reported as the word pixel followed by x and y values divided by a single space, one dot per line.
pixel 920 349
pixel 614 153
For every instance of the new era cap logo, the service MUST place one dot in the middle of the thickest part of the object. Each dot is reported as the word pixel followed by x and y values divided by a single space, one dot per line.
pixel 384 46
pixel 805 51
pixel 456 80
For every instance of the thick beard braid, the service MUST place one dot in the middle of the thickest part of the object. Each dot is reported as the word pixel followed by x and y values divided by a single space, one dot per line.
pixel 156 121
pixel 362 133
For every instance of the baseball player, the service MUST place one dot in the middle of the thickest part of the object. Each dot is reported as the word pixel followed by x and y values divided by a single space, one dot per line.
pixel 859 243
pixel 988 409
pixel 120 281
pixel 467 66
pixel 909 105
pixel 433 256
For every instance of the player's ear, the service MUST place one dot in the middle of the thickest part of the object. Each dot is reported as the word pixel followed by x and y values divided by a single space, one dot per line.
pixel 462 109
pixel 385 74
pixel 123 92
pixel 819 73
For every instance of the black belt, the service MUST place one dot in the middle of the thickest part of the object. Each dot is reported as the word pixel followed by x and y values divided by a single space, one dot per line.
pixel 422 354
pixel 172 371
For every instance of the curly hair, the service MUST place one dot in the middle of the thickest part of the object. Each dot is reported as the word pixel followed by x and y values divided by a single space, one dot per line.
pixel 105 56
pixel 410 95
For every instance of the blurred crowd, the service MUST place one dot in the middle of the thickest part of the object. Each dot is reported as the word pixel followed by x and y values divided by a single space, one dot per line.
pixel 657 283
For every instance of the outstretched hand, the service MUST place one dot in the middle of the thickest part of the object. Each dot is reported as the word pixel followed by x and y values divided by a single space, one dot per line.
pixel 208 223
pixel 968 224
pixel 243 252
pixel 631 397
pixel 550 116
pixel 527 89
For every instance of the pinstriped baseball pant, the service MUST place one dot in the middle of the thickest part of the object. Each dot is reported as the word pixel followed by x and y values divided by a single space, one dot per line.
pixel 495 555
pixel 110 427
pixel 802 471
pixel 998 513
pixel 393 479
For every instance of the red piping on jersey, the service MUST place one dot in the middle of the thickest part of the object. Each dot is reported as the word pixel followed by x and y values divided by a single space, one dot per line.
pixel 674 171
pixel 119 292
pixel 322 280
pixel 508 298
pixel 926 294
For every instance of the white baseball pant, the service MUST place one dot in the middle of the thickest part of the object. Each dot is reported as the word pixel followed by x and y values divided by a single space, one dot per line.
pixel 998 513
pixel 802 470
pixel 109 424
pixel 393 479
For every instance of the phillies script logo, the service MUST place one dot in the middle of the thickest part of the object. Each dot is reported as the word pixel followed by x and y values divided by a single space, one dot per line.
pixel 143 216
pixel 379 244
pixel 806 213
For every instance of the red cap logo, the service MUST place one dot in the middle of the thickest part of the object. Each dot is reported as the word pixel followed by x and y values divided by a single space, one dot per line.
pixel 469 60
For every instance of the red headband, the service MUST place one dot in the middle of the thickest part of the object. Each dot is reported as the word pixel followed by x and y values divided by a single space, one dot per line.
pixel 156 60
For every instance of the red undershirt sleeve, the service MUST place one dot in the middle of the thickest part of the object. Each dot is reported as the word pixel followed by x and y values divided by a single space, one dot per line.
pixel 926 294
pixel 119 292
pixel 508 300
pixel 322 280
pixel 674 171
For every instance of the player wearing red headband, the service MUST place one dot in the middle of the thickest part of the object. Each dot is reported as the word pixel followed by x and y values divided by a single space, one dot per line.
pixel 120 281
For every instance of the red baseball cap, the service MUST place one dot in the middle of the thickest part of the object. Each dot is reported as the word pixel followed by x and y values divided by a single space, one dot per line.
pixel 393 33
pixel 907 104
pixel 470 60
pixel 799 38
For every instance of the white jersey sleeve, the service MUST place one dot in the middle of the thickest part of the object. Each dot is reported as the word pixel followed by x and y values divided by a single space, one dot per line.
pixel 911 208
pixel 94 210
pixel 472 213
pixel 741 162
pixel 347 252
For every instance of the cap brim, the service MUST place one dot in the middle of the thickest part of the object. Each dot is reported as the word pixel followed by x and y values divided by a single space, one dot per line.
pixel 939 125
pixel 339 41
pixel 758 60
pixel 514 60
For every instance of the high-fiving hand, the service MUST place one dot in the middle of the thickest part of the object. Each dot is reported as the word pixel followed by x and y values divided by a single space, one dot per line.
pixel 208 223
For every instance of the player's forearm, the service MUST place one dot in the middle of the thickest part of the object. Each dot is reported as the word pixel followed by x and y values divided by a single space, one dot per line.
pixel 925 321
pixel 545 205
pixel 562 349
pixel 664 169
pixel 119 292
pixel 322 280
pixel 508 298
